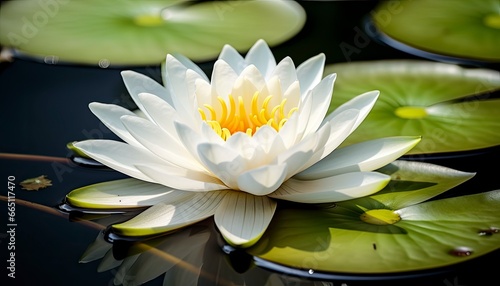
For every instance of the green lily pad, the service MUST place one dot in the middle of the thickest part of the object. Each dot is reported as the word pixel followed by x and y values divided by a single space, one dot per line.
pixel 421 98
pixel 128 32
pixel 421 236
pixel 460 28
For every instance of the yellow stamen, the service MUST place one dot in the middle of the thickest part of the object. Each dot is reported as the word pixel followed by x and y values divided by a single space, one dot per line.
pixel 262 116
pixel 249 131
pixel 202 113
pixel 235 116
pixel 212 111
pixel 224 108
pixel 282 122
pixel 255 108
pixel 291 112
pixel 282 108
pixel 265 104
pixel 225 134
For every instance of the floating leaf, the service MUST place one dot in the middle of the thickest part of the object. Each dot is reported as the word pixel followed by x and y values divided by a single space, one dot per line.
pixel 424 236
pixel 129 32
pixel 34 184
pixel 460 28
pixel 420 98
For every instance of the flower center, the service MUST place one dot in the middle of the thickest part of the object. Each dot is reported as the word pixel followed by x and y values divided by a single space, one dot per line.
pixel 380 217
pixel 411 112
pixel 235 117
pixel 492 21
pixel 149 20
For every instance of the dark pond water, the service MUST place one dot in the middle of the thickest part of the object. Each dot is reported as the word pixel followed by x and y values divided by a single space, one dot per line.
pixel 44 106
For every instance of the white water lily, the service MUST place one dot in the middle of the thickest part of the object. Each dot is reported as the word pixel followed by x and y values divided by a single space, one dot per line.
pixel 230 147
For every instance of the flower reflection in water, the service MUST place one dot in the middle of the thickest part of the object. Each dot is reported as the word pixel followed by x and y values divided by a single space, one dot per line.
pixel 190 256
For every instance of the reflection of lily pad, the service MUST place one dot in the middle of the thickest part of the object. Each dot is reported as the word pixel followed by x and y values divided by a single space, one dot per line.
pixel 143 32
pixel 427 235
pixel 460 28
pixel 419 98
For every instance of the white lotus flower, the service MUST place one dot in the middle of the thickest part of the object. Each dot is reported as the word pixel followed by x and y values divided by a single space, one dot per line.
pixel 233 145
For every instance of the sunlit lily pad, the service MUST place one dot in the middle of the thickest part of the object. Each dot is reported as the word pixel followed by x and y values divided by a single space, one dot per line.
pixel 131 32
pixel 420 98
pixel 423 236
pixel 460 28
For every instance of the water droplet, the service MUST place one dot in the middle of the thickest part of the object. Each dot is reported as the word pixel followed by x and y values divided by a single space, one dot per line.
pixel 51 60
pixel 461 251
pixel 489 231
pixel 104 63
pixel 311 271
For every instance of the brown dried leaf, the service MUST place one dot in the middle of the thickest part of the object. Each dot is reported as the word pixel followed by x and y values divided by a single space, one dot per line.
pixel 34 184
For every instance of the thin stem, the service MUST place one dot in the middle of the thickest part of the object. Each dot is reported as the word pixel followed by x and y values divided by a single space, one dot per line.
pixel 28 157
pixel 51 210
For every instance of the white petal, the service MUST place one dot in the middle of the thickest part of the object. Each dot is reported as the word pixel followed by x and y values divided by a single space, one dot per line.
pixel 119 156
pixel 242 218
pixel 209 134
pixel 339 128
pixel 110 114
pixel 203 92
pixel 249 81
pixel 223 79
pixel 166 216
pixel 292 95
pixel 285 70
pixel 231 56
pixel 137 83
pixel 267 138
pixel 310 72
pixel 180 83
pixel 363 103
pixel 160 143
pixel 191 138
pixel 365 156
pixel 298 155
pixel 190 65
pixel 294 128
pixel 263 180
pixel 321 96
pixel 181 179
pixel 224 163
pixel 243 144
pixel 332 189
pixel 125 193
pixel 245 87
pixel 261 56
pixel 289 133
pixel 161 113
pixel 189 103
